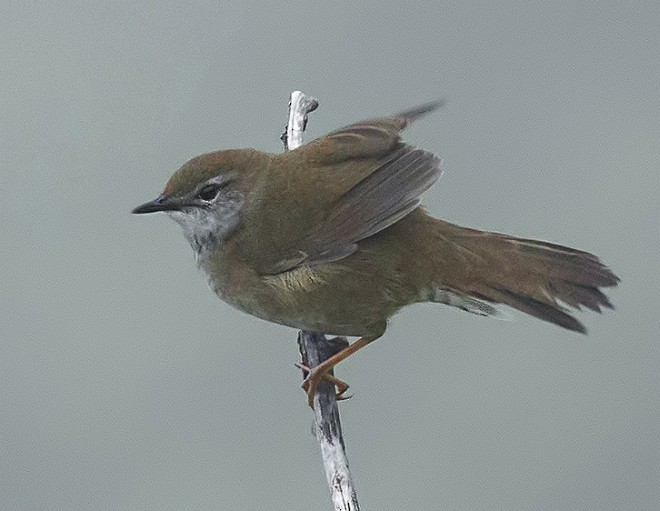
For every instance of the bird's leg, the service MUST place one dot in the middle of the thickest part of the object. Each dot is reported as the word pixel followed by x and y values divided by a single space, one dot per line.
pixel 316 374
pixel 341 385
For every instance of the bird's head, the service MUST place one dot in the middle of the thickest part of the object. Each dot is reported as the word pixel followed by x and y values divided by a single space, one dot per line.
pixel 206 196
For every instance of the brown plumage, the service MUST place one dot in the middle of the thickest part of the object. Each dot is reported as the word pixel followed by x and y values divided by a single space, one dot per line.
pixel 532 276
pixel 330 237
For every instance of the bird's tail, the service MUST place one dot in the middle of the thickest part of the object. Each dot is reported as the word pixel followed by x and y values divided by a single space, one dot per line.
pixel 535 277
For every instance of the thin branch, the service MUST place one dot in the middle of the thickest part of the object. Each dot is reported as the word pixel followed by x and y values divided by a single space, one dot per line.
pixel 299 106
pixel 315 348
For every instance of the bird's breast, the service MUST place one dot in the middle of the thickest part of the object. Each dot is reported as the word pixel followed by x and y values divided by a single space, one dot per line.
pixel 329 298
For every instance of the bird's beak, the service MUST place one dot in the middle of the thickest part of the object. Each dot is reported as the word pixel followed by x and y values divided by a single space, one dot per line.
pixel 162 203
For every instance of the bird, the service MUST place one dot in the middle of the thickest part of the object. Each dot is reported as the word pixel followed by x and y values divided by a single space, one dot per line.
pixel 331 237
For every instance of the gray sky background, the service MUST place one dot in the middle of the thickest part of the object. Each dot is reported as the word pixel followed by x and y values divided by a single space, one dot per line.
pixel 126 384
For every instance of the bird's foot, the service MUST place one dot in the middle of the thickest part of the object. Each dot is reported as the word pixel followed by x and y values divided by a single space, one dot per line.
pixel 314 377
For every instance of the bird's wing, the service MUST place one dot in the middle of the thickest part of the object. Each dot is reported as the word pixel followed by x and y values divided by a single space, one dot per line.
pixel 381 180
pixel 371 138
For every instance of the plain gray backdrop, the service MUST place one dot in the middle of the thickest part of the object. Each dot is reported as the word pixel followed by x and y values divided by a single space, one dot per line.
pixel 126 384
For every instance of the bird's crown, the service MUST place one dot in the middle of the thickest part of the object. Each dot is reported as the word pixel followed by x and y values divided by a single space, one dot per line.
pixel 199 170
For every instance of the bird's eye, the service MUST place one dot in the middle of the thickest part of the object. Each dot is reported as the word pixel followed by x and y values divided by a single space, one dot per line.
pixel 208 192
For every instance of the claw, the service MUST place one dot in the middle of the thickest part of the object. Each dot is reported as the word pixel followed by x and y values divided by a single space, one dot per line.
pixel 314 377
pixel 310 385
pixel 315 374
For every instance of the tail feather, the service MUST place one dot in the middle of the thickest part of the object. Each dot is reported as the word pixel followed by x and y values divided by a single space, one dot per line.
pixel 535 277
pixel 581 267
pixel 552 313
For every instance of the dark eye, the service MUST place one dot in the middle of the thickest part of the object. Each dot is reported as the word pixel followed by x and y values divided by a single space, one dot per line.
pixel 208 192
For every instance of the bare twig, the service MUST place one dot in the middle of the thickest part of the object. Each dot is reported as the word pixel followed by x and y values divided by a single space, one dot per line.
pixel 299 107
pixel 315 348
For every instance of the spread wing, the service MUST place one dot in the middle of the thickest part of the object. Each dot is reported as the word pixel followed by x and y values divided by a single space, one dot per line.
pixel 371 138
pixel 364 179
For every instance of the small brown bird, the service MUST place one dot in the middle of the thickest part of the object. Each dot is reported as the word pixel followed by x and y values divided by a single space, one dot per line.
pixel 330 237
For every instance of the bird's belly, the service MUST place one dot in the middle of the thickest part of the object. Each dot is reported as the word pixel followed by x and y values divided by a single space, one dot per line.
pixel 319 299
